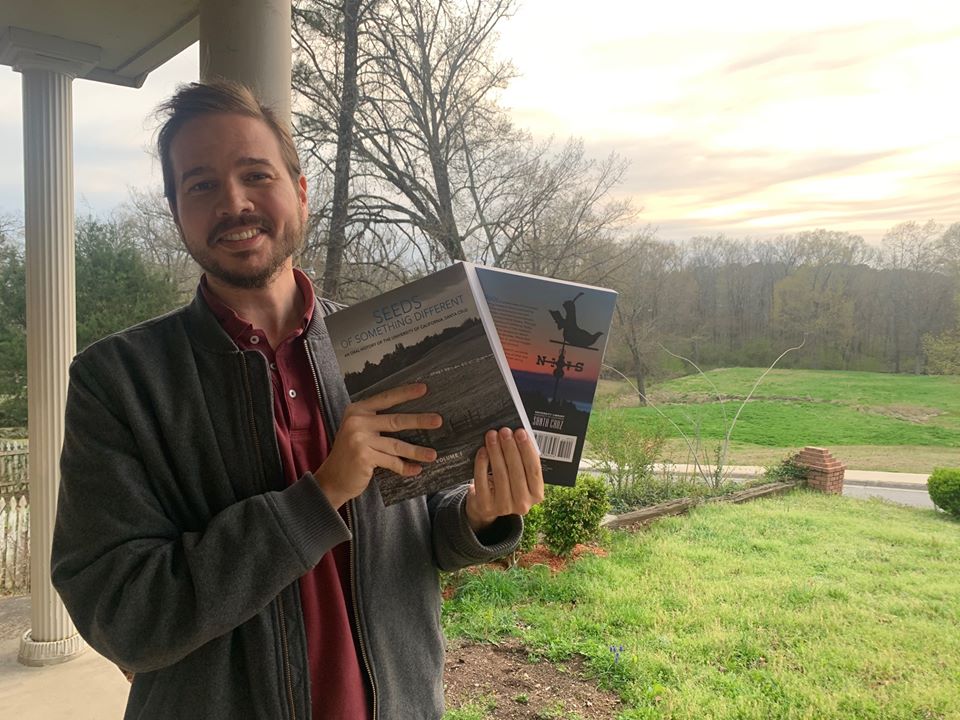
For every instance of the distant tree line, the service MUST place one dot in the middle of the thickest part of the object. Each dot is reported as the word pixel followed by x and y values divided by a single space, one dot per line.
pixel 713 300
pixel 403 356
pixel 720 302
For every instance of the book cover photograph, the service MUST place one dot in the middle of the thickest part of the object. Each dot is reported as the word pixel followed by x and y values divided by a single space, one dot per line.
pixel 553 334
pixel 436 330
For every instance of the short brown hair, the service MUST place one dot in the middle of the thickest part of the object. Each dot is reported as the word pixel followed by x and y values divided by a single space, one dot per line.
pixel 216 96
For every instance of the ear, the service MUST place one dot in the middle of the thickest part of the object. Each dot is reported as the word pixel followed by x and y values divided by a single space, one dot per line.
pixel 302 197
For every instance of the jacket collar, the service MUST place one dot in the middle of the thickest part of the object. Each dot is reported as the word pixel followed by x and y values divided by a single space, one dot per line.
pixel 208 333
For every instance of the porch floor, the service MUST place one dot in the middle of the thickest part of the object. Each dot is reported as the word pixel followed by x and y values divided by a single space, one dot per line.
pixel 86 688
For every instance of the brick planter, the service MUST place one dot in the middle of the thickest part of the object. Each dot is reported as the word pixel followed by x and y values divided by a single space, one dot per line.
pixel 824 472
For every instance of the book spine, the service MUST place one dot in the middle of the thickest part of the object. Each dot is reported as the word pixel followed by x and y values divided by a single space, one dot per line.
pixel 486 318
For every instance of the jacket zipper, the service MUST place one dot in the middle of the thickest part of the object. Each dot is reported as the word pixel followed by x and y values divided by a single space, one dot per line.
pixel 353 535
pixel 356 608
pixel 284 645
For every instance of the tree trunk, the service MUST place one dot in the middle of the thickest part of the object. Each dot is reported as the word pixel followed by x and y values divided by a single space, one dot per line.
pixel 641 378
pixel 339 214
pixel 449 234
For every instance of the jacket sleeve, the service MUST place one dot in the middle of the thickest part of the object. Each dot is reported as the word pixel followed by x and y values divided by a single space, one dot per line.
pixel 141 590
pixel 455 543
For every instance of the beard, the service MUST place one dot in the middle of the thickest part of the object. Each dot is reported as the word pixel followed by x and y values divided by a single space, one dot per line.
pixel 282 247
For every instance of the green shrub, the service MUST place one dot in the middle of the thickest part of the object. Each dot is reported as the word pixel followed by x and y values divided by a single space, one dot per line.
pixel 572 515
pixel 787 470
pixel 625 453
pixel 532 523
pixel 944 488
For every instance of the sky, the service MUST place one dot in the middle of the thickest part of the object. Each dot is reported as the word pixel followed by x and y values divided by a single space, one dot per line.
pixel 745 118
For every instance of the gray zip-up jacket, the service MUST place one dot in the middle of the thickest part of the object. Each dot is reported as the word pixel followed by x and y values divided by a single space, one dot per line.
pixel 178 548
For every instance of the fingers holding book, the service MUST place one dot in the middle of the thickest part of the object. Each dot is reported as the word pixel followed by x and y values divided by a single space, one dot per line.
pixel 359 448
pixel 508 478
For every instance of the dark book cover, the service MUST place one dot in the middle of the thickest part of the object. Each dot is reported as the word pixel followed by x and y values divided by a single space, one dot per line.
pixel 435 330
pixel 553 334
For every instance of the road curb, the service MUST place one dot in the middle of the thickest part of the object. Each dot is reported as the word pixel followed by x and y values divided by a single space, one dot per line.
pixel 920 487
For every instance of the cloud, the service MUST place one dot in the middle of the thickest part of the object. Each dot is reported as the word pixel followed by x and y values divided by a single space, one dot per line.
pixel 695 168
pixel 824 50
pixel 686 188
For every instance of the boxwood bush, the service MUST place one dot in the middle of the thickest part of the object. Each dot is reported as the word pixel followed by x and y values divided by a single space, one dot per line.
pixel 532 523
pixel 572 515
pixel 944 488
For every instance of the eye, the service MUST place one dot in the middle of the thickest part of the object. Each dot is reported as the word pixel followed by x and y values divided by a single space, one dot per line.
pixel 258 176
pixel 201 186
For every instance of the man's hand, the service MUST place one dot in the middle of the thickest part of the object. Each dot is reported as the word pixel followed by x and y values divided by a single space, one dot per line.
pixel 359 448
pixel 507 478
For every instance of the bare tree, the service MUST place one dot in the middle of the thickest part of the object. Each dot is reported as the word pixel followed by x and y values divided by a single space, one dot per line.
pixel 425 73
pixel 912 246
pixel 909 249
pixel 948 251
pixel 435 160
pixel 648 298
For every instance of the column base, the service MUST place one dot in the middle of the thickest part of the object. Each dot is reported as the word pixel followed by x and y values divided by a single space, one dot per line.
pixel 38 654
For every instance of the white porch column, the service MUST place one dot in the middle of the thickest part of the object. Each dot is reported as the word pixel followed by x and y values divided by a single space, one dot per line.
pixel 51 340
pixel 48 66
pixel 249 41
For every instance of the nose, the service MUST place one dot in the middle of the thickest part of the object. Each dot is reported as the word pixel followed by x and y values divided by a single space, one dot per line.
pixel 233 199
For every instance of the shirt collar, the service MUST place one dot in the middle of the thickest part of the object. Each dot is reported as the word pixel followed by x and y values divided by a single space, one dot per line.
pixel 240 329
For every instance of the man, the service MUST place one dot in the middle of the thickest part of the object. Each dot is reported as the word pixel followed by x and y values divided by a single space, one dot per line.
pixel 217 532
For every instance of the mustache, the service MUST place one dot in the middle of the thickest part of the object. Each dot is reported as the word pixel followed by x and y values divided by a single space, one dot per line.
pixel 240 221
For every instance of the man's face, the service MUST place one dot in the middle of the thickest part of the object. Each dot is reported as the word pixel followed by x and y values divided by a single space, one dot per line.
pixel 240 214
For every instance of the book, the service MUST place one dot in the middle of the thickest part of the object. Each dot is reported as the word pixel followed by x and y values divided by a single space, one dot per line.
pixel 553 333
pixel 436 330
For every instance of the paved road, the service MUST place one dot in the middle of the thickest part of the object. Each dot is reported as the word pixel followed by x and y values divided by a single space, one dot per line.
pixel 913 498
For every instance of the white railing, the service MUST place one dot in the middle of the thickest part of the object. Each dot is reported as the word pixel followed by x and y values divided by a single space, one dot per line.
pixel 14 518
pixel 13 468
pixel 14 545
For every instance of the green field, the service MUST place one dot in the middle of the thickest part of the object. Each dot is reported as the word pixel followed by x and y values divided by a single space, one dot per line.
pixel 871 421
pixel 802 606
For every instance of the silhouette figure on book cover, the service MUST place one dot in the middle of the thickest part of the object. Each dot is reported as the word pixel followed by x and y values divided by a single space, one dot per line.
pixel 573 334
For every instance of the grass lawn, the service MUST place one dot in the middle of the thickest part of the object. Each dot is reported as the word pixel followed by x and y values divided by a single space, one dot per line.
pixel 919 416
pixel 801 606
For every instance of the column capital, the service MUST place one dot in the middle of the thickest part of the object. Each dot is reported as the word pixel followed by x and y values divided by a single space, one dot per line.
pixel 28 50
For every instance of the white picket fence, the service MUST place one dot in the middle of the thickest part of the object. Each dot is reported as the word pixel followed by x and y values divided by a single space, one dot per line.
pixel 13 467
pixel 14 518
pixel 14 545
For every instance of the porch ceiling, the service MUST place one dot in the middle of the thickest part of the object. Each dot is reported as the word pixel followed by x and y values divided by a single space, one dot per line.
pixel 133 36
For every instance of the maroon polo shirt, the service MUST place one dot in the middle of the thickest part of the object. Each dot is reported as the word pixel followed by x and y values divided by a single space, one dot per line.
pixel 337 683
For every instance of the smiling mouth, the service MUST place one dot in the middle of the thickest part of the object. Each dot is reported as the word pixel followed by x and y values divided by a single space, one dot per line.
pixel 240 235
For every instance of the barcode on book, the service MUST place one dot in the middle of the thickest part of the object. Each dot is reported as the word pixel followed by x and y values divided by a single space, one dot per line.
pixel 555 447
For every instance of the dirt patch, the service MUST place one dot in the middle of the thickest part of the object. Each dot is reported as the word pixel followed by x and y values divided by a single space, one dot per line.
pixel 907 413
pixel 502 679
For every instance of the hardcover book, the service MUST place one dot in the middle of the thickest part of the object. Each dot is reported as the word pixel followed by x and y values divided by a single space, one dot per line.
pixel 435 330
pixel 553 334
